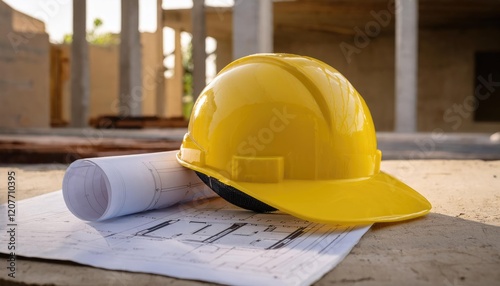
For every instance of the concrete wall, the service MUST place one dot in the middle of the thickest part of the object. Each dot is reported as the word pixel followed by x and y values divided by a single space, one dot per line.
pixel 446 73
pixel 24 71
pixel 174 89
pixel 150 66
pixel 447 78
pixel 104 77
pixel 26 24
pixel 103 63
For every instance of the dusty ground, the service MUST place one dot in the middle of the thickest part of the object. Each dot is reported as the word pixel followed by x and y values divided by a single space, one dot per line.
pixel 457 244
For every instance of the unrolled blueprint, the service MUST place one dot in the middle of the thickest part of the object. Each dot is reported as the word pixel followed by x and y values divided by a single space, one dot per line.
pixel 205 239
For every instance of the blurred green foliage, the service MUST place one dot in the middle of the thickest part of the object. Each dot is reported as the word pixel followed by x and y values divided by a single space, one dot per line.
pixel 94 37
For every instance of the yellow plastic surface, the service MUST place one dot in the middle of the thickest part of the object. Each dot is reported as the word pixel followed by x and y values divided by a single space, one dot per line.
pixel 292 132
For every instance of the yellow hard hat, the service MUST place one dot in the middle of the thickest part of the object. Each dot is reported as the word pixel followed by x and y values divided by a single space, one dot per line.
pixel 287 132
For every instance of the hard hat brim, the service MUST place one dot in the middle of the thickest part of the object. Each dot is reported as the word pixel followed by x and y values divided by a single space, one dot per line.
pixel 380 198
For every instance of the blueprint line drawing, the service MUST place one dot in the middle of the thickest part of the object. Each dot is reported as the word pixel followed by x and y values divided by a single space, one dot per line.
pixel 206 239
pixel 205 232
pixel 97 189
pixel 163 172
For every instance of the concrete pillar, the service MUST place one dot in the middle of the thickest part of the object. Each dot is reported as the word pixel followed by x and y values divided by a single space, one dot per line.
pixel 130 60
pixel 198 41
pixel 160 82
pixel 176 85
pixel 80 82
pixel 252 27
pixel 406 65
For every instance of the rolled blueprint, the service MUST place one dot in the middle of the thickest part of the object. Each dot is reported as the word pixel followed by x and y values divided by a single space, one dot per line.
pixel 96 189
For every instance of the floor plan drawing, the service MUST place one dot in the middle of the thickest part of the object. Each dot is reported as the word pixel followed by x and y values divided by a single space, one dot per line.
pixel 202 231
pixel 206 239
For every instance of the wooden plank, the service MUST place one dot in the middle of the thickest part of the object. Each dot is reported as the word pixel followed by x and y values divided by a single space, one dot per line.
pixel 65 149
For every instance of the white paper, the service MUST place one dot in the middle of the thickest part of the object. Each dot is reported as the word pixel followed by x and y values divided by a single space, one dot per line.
pixel 97 189
pixel 207 240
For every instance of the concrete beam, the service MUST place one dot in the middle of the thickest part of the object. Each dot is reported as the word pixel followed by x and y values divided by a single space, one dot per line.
pixel 80 82
pixel 198 41
pixel 252 27
pixel 130 60
pixel 406 65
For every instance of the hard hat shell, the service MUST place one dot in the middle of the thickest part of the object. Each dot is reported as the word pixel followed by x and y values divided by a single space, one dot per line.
pixel 293 133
